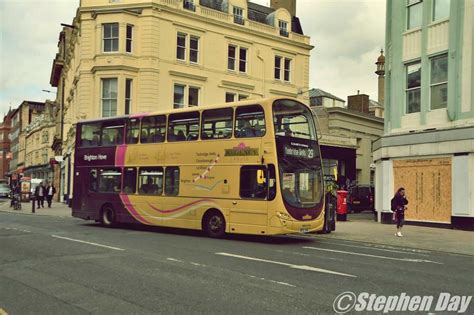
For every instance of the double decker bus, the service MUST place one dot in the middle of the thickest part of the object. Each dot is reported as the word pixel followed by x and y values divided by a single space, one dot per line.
pixel 249 167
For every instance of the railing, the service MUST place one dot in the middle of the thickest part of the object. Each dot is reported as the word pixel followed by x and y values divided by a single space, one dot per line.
pixel 238 19
pixel 188 5
pixel 214 14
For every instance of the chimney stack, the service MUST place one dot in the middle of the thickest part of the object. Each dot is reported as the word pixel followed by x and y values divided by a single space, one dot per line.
pixel 290 5
pixel 359 102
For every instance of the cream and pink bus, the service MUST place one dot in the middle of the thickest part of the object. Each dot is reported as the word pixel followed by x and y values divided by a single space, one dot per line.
pixel 249 167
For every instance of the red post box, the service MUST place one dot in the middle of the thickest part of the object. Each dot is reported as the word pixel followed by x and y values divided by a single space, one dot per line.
pixel 341 205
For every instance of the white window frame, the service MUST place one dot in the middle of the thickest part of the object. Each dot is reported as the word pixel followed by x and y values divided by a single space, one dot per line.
pixel 128 98
pixel 107 99
pixel 238 13
pixel 237 58
pixel 196 38
pixel 104 25
pixel 433 11
pixel 129 39
pixel 185 36
pixel 410 5
pixel 186 88
pixel 235 95
pixel 187 43
pixel 411 89
pixel 282 70
pixel 438 83
pixel 283 27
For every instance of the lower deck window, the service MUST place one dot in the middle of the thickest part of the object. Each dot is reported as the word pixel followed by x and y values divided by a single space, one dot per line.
pixel 253 182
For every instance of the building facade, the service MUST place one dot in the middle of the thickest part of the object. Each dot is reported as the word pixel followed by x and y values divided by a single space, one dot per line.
pixel 39 157
pixel 347 134
pixel 5 154
pixel 133 56
pixel 21 118
pixel 428 142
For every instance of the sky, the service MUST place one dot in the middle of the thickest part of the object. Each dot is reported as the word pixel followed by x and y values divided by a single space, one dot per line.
pixel 347 36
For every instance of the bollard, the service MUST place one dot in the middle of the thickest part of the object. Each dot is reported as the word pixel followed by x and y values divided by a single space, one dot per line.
pixel 33 204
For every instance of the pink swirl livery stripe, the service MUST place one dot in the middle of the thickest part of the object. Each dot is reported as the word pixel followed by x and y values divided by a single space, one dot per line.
pixel 120 155
pixel 180 208
pixel 128 205
pixel 139 115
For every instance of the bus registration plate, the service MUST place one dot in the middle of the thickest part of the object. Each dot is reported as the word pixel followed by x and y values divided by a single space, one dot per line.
pixel 304 230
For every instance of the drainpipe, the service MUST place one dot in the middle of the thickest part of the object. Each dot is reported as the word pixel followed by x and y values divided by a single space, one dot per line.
pixel 263 80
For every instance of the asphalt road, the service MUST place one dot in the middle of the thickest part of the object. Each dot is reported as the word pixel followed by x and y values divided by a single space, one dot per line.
pixel 54 265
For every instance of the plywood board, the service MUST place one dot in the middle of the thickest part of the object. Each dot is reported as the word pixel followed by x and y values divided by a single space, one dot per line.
pixel 427 184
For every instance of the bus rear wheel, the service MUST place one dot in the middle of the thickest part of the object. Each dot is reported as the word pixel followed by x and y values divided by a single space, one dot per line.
pixel 214 224
pixel 107 216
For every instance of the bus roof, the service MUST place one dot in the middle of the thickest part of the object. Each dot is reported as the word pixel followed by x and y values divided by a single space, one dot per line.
pixel 192 109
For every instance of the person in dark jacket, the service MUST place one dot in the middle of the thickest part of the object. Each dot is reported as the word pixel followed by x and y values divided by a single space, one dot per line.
pixel 50 191
pixel 40 193
pixel 398 205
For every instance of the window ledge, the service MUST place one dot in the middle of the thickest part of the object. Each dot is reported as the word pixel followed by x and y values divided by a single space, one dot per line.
pixel 412 30
pixel 440 21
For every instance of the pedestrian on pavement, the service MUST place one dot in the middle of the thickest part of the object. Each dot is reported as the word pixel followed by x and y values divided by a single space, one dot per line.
pixel 50 191
pixel 398 205
pixel 40 193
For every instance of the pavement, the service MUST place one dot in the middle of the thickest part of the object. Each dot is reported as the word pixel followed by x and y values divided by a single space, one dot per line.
pixel 359 227
pixel 57 209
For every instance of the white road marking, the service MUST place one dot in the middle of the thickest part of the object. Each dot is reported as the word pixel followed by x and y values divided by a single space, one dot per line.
pixel 374 256
pixel 173 259
pixel 376 248
pixel 84 242
pixel 339 241
pixel 301 267
pixel 16 229
pixel 273 281
pixel 196 264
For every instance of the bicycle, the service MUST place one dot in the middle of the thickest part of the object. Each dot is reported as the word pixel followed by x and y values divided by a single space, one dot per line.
pixel 16 201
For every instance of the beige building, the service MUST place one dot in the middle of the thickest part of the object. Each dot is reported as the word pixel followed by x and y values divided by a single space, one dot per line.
pixel 38 136
pixel 22 117
pixel 131 56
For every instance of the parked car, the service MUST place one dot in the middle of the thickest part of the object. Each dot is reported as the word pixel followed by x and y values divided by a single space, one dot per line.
pixel 361 197
pixel 4 190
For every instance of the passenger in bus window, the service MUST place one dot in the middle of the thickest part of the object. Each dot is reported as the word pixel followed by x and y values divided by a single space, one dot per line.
pixel 118 138
pixel 149 187
pixel 180 136
pixel 144 136
pixel 259 130
pixel 246 130
pixel 95 139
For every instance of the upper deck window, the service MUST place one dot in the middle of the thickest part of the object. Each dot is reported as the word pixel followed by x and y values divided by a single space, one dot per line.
pixel 293 119
pixel 90 135
pixel 217 124
pixel 249 122
pixel 183 127
pixel 153 129
pixel 133 130
pixel 112 133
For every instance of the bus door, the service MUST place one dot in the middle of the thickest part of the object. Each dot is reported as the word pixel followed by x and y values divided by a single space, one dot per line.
pixel 249 212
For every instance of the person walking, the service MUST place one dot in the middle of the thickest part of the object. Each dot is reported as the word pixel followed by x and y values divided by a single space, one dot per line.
pixel 40 193
pixel 50 191
pixel 398 205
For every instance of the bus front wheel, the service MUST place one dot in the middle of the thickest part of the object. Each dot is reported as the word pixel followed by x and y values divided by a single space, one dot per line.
pixel 107 217
pixel 214 224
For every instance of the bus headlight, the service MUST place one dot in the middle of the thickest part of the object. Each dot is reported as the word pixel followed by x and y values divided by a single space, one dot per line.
pixel 283 216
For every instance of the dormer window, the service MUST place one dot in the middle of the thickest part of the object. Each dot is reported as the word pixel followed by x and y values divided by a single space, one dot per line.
pixel 238 15
pixel 283 25
pixel 189 5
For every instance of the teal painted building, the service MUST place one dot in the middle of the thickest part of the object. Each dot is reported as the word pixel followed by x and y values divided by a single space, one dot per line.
pixel 428 142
